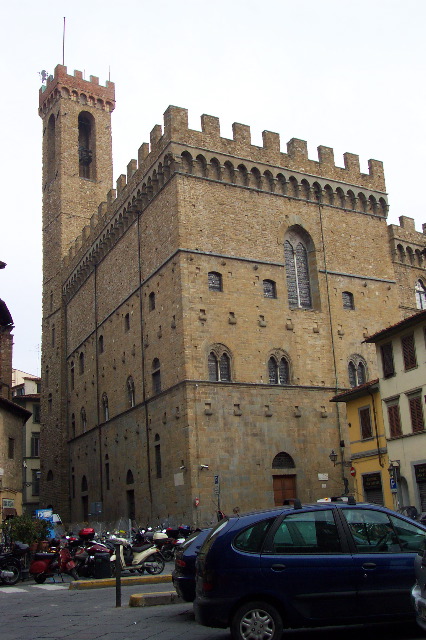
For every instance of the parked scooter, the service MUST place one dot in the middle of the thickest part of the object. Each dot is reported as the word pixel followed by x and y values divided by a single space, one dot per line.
pixel 85 550
pixel 11 566
pixel 49 564
pixel 144 557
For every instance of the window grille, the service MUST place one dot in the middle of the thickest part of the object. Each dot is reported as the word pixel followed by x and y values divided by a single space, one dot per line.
pixel 352 374
pixel 212 366
pixel 283 461
pixel 361 373
pixel 284 371
pixel 269 289
pixel 297 274
pixel 409 352
pixel 420 291
pixel 156 376
pixel 348 300
pixel 273 371
pixel 224 368
pixel 215 281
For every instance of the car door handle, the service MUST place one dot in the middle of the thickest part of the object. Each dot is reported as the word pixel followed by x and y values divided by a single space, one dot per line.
pixel 278 567
pixel 369 565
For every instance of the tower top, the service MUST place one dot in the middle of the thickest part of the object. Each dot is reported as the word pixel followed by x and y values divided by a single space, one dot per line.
pixel 75 87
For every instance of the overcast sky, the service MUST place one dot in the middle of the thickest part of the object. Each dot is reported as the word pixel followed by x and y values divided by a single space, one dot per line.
pixel 345 74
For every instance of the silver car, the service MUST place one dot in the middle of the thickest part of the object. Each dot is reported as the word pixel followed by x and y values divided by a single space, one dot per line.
pixel 418 592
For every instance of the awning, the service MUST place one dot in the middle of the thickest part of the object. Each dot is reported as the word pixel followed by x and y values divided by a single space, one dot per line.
pixel 8 511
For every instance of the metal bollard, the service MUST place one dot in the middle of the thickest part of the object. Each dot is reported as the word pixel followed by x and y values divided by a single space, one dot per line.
pixel 117 546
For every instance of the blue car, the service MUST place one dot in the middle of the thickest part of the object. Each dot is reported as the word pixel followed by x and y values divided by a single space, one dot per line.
pixel 183 575
pixel 307 566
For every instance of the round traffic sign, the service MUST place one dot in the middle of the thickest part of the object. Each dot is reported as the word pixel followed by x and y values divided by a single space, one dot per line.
pixel 353 471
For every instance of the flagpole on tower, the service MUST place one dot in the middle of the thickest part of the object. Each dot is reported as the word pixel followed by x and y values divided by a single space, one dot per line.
pixel 63 45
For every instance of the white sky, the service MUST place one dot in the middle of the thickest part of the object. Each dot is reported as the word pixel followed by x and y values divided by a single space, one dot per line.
pixel 346 74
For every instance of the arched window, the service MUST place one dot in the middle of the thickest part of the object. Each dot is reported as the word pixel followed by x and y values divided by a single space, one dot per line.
pixel 278 370
pixel 84 485
pixel 101 344
pixel 46 376
pixel 73 425
pixel 127 322
pixel 49 403
pixel 86 125
pixel 130 391
pixel 51 141
pixel 297 271
pixel 81 363
pixel 105 407
pixel 269 289
pixel 83 420
pixel 215 281
pixel 357 371
pixel 49 476
pixel 156 376
pixel 348 300
pixel 283 461
pixel 157 456
pixel 420 295
pixel 219 365
pixel 151 303
pixel 53 335
pixel 129 477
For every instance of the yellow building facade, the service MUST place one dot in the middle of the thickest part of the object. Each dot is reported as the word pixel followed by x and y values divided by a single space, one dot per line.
pixel 368 458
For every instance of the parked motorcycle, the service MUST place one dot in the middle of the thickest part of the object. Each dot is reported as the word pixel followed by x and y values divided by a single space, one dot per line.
pixel 11 563
pixel 85 550
pixel 144 557
pixel 49 564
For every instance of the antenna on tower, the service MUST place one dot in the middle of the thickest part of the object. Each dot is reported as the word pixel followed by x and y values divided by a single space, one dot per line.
pixel 63 45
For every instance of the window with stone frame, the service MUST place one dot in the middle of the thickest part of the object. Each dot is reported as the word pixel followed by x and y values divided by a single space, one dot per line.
pixel 416 412
pixel 156 376
pixel 348 300
pixel 151 301
pixel 269 289
pixel 420 292
pixel 356 371
pixel 365 423
pixel 395 428
pixel 130 391
pixel 278 370
pixel 409 352
pixel 297 274
pixel 219 365
pixel 215 281
pixel 386 351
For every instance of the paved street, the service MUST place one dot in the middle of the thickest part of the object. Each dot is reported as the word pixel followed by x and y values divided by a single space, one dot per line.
pixel 53 612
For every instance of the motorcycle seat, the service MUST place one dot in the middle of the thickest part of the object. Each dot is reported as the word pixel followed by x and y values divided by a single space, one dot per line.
pixel 41 555
pixel 141 548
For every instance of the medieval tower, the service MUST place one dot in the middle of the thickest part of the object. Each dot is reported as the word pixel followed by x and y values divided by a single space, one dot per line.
pixel 198 318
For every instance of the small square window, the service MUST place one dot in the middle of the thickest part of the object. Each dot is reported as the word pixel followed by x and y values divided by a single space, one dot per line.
pixel 269 289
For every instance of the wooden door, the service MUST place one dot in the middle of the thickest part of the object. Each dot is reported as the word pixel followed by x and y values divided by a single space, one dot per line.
pixel 284 489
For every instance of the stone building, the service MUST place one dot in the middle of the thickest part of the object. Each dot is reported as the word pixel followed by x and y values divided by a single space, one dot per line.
pixel 198 318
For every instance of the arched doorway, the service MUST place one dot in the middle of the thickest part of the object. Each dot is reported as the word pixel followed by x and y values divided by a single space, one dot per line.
pixel 283 483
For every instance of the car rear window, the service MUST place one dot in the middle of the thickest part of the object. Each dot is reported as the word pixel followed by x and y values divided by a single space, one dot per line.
pixel 251 539
pixel 213 535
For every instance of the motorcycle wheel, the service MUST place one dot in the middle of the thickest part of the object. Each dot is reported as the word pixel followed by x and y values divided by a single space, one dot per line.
pixel 40 578
pixel 168 554
pixel 16 574
pixel 74 574
pixel 154 564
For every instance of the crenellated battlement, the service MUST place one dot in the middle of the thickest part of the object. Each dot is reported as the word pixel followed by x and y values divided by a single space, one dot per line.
pixel 176 149
pixel 296 158
pixel 76 88
pixel 408 245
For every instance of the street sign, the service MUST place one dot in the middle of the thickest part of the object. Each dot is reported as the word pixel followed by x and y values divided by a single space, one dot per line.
pixel 353 472
pixel 393 485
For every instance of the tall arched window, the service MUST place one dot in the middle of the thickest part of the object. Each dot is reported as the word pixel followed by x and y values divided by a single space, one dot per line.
pixel 157 456
pixel 278 370
pixel 152 301
pixel 72 375
pixel 156 376
pixel 86 125
pixel 73 425
pixel 81 363
pixel 348 300
pixel 420 295
pixel 215 281
pixel 297 271
pixel 357 371
pixel 219 365
pixel 130 391
pixel 105 407
pixel 83 420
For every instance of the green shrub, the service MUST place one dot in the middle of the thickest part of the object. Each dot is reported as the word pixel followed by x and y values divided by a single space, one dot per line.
pixel 25 529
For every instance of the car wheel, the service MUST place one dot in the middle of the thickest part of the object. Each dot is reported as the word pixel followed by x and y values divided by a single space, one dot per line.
pixel 256 621
pixel 40 578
